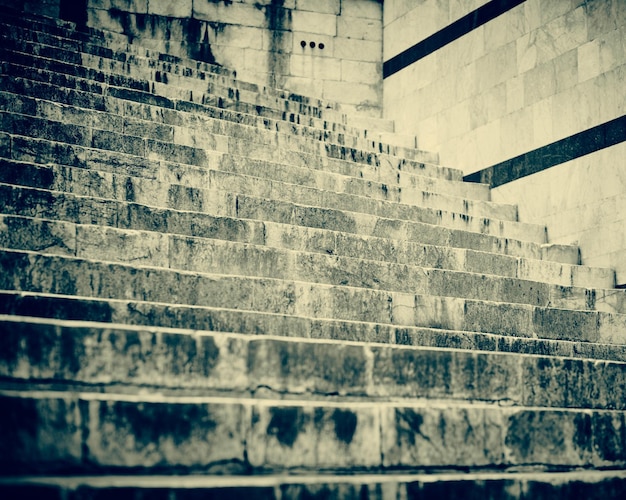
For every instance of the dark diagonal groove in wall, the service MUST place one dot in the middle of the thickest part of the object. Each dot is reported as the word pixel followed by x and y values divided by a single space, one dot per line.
pixel 450 33
pixel 569 148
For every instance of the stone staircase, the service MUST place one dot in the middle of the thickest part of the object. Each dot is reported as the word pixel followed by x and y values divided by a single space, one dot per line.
pixel 211 289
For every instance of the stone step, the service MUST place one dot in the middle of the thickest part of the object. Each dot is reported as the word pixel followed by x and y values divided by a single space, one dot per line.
pixel 119 358
pixel 114 47
pixel 561 318
pixel 326 173
pixel 310 207
pixel 383 169
pixel 81 240
pixel 108 433
pixel 538 485
pixel 84 94
pixel 55 72
pixel 605 345
pixel 184 253
pixel 305 229
pixel 211 190
pixel 198 90
pixel 135 71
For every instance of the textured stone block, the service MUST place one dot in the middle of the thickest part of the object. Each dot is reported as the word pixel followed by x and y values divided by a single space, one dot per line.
pixel 45 434
pixel 308 367
pixel 171 9
pixel 37 235
pixel 502 319
pixel 158 434
pixel 314 437
pixel 424 437
pixel 555 437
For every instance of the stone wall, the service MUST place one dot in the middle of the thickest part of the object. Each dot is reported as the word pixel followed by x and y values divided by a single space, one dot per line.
pixel 539 73
pixel 324 48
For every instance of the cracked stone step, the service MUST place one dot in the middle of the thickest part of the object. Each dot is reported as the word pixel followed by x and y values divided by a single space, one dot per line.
pixel 152 248
pixel 235 195
pixel 539 485
pixel 124 86
pixel 241 259
pixel 140 314
pixel 201 363
pixel 152 123
pixel 152 433
pixel 299 234
pixel 49 274
pixel 86 94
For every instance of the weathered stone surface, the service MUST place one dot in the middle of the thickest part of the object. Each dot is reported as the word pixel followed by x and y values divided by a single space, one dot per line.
pixel 37 235
pixel 314 437
pixel 40 434
pixel 115 356
pixel 163 434
pixel 143 189
pixel 437 436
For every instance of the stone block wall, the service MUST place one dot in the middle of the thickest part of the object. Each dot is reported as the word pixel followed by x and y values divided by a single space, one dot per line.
pixel 330 49
pixel 539 73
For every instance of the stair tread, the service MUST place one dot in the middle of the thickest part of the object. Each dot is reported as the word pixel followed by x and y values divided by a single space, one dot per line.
pixel 350 199
pixel 317 118
pixel 235 365
pixel 133 314
pixel 206 481
pixel 41 202
pixel 61 237
pixel 182 100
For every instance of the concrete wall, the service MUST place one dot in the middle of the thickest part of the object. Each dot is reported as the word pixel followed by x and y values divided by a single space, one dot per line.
pixel 539 73
pixel 267 41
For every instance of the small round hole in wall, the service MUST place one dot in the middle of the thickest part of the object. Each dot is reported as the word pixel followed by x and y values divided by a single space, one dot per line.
pixel 312 45
pixel 302 44
pixel 321 46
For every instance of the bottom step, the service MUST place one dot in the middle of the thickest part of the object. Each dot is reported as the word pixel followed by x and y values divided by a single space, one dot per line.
pixel 528 485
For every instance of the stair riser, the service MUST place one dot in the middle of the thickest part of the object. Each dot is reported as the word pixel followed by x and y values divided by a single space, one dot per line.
pixel 59 237
pixel 317 237
pixel 297 204
pixel 231 258
pixel 106 435
pixel 197 364
pixel 135 104
pixel 56 275
pixel 171 97
pixel 232 321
